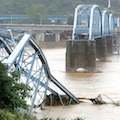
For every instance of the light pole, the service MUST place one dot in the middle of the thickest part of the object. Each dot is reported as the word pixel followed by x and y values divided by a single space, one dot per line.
pixel 109 3
pixel 10 17
pixel 40 17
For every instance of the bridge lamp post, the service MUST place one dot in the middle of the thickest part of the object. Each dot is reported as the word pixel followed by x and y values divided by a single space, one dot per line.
pixel 11 21
pixel 109 3
pixel 40 17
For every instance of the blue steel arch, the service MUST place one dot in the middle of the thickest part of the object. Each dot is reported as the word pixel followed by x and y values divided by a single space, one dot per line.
pixel 105 23
pixel 111 24
pixel 117 25
pixel 118 22
pixel 87 21
pixel 81 20
pixel 95 22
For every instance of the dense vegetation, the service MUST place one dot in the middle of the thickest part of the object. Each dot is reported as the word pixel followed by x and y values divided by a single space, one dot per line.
pixel 51 7
pixel 37 9
pixel 12 95
pixel 6 114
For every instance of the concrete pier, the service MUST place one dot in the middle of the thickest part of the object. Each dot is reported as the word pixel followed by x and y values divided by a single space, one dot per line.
pixel 80 54
pixel 101 49
pixel 53 36
pixel 109 40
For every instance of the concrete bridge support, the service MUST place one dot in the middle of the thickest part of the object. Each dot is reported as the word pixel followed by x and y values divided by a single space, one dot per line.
pixel 57 35
pixel 118 44
pixel 101 49
pixel 109 40
pixel 80 54
pixel 39 37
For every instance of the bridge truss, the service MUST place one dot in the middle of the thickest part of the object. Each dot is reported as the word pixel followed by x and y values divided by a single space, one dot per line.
pixel 19 51
pixel 87 20
pixel 90 22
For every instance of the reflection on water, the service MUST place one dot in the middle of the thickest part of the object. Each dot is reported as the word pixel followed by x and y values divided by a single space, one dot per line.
pixel 85 85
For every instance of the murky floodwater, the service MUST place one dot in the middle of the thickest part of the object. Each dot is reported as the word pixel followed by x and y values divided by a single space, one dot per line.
pixel 85 85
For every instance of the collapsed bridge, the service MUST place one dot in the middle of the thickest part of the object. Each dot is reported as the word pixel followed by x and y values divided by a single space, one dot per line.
pixel 20 52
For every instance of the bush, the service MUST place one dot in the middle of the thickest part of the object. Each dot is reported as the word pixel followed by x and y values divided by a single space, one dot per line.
pixel 14 115
pixel 79 118
pixel 6 115
pixel 12 93
pixel 62 119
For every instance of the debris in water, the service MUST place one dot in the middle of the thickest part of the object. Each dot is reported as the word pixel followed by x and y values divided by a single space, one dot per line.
pixel 99 100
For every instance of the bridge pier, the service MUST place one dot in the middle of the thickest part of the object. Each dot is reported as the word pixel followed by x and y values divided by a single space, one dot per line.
pixel 57 36
pixel 118 44
pixel 39 37
pixel 101 48
pixel 109 40
pixel 80 54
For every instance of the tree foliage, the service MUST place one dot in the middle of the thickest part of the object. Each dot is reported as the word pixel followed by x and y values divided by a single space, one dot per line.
pixel 38 10
pixel 12 93
pixel 64 7
pixel 35 12
pixel 6 114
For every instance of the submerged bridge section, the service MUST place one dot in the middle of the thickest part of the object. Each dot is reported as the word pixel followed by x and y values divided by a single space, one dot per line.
pixel 95 33
pixel 20 52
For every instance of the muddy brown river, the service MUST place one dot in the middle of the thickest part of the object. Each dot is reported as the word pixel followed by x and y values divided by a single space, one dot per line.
pixel 89 85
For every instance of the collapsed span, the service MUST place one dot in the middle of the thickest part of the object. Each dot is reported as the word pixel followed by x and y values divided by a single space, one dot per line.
pixel 19 51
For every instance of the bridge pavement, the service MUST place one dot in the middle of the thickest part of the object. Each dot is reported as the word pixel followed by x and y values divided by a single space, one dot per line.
pixel 39 30
pixel 37 27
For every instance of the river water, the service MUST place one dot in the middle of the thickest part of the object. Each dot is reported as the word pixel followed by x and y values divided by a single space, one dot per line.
pixel 89 85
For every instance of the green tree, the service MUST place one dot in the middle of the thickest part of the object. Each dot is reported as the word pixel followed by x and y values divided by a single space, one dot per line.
pixel 12 93
pixel 38 9
pixel 36 13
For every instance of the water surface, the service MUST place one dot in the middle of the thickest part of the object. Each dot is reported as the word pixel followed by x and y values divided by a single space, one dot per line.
pixel 88 85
